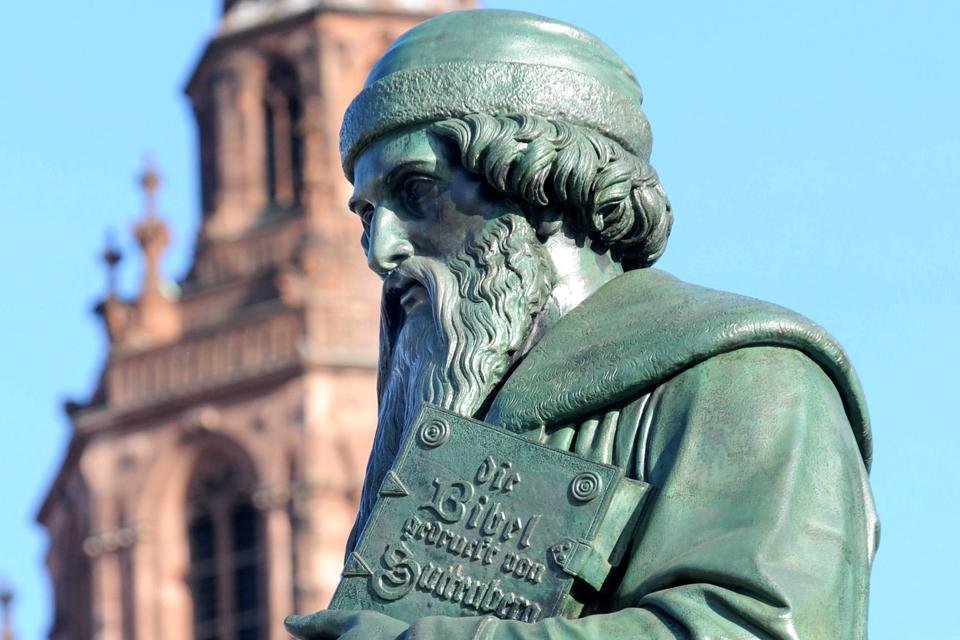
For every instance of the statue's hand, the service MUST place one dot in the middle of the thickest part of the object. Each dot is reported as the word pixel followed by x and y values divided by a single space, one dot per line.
pixel 334 624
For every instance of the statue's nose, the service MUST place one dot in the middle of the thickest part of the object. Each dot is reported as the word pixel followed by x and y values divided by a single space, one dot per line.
pixel 389 244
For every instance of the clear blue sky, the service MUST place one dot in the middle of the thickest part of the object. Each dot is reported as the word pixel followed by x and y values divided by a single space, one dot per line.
pixel 811 151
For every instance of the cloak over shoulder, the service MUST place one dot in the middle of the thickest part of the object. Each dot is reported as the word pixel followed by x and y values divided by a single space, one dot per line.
pixel 644 327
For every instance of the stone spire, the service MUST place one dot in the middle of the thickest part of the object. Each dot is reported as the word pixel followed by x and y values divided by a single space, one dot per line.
pixel 157 312
pixel 6 600
pixel 116 313
pixel 152 233
pixel 239 15
pixel 111 257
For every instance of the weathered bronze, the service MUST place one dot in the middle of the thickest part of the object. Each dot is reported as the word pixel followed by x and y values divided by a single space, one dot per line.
pixel 500 163
pixel 473 519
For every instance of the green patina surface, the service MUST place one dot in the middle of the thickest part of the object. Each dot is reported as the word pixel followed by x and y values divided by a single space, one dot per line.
pixel 473 520
pixel 743 423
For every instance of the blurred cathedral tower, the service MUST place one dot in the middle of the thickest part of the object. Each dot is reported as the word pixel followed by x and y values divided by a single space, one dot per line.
pixel 211 478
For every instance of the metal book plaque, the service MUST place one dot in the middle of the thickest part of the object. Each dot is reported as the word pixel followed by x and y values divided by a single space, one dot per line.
pixel 475 520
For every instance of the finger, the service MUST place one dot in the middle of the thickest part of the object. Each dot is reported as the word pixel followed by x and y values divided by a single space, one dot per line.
pixel 296 626
pixel 332 624
pixel 320 625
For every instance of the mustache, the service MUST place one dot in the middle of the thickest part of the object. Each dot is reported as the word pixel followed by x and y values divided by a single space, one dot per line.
pixel 485 293
pixel 413 272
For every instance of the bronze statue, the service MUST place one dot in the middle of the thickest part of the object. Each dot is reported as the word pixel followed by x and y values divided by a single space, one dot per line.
pixel 501 170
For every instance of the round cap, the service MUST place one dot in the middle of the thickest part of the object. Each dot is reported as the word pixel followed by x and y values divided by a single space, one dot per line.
pixel 499 63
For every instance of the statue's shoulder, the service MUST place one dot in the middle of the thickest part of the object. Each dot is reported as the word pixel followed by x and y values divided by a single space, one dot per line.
pixel 646 326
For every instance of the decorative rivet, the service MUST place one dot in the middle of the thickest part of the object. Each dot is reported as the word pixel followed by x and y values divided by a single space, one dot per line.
pixel 434 433
pixel 586 486
pixel 561 552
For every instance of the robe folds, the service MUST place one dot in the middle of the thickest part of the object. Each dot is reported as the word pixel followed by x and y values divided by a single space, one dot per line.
pixel 747 422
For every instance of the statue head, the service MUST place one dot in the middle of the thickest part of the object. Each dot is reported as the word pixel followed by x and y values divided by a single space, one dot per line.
pixel 542 111
pixel 499 159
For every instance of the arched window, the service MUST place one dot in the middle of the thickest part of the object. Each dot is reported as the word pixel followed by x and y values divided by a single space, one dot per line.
pixel 282 112
pixel 209 171
pixel 226 539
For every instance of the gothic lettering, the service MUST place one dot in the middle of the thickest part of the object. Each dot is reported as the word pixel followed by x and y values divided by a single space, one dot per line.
pixel 449 500
pixel 400 575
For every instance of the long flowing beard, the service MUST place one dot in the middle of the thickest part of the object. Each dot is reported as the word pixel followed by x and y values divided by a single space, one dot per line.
pixel 455 350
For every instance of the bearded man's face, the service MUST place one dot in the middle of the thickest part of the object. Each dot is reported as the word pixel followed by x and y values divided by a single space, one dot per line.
pixel 464 278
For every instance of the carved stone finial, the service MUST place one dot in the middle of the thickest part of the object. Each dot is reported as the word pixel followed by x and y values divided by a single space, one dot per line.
pixel 111 256
pixel 151 232
pixel 6 600
pixel 116 313
pixel 150 181
pixel 157 314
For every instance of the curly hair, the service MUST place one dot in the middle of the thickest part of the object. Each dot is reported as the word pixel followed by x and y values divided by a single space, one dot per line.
pixel 555 168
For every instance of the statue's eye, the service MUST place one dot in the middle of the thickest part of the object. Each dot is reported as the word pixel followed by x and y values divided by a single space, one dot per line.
pixel 365 212
pixel 418 192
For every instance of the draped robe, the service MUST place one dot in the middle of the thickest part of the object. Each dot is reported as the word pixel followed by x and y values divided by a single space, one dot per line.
pixel 748 423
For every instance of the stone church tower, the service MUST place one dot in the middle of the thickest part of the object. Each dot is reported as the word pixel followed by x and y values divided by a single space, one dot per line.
pixel 211 478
